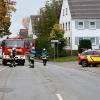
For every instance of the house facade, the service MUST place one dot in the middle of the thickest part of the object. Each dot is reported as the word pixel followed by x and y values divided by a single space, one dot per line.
pixel 23 33
pixel 32 25
pixel 80 19
pixel 32 32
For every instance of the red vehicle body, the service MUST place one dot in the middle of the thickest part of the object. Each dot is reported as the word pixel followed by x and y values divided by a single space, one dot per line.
pixel 28 46
pixel 0 51
pixel 89 57
pixel 7 46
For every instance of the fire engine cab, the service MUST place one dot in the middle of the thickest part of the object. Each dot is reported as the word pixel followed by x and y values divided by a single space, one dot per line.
pixel 8 45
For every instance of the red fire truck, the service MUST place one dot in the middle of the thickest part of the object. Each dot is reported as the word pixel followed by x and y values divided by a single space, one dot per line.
pixel 7 46
pixel 28 45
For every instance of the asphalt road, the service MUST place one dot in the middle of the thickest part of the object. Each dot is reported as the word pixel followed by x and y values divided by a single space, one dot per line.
pixel 51 82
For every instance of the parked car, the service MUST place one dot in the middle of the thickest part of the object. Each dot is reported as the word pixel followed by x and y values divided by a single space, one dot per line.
pixel 89 57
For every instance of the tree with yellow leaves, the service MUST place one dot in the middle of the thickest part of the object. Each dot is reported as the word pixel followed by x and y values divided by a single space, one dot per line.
pixel 6 7
pixel 58 34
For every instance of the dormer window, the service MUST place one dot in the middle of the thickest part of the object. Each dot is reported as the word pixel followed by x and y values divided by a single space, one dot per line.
pixel 80 25
pixel 92 25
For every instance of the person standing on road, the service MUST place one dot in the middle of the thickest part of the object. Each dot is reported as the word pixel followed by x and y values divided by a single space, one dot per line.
pixel 44 56
pixel 32 54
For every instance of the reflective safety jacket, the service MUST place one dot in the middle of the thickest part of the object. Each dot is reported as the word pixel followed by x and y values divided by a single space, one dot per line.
pixel 32 53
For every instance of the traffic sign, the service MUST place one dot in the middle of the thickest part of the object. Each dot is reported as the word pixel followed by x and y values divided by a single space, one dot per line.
pixel 54 41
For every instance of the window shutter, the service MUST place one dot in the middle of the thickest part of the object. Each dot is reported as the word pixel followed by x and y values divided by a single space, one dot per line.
pixel 97 40
pixel 76 40
pixel 76 24
pixel 97 24
pixel 86 24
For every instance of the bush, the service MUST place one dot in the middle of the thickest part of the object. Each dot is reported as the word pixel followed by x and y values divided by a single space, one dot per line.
pixel 83 45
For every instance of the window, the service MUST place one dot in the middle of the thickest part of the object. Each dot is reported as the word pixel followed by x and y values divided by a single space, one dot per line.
pixel 66 26
pixel 66 11
pixel 14 43
pixel 92 25
pixel 96 53
pixel 63 25
pixel 69 25
pixel 69 41
pixel 88 53
pixel 80 25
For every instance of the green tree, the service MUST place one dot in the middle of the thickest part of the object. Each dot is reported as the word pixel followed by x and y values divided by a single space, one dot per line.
pixel 58 34
pixel 49 15
pixel 84 44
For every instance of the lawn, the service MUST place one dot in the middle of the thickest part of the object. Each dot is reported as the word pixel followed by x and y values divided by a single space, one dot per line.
pixel 65 59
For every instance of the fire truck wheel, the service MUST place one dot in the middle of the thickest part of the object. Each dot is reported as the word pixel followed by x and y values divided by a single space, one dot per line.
pixel 4 62
pixel 22 63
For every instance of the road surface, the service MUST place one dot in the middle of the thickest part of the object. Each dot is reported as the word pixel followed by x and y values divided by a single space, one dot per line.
pixel 51 82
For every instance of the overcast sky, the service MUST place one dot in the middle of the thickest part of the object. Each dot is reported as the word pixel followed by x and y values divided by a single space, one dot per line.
pixel 24 8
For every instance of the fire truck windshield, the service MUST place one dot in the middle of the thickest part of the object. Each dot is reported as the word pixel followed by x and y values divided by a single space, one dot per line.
pixel 14 43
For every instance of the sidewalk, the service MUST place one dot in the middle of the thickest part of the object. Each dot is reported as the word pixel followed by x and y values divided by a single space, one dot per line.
pixel 68 64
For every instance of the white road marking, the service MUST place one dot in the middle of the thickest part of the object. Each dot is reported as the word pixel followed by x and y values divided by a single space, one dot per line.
pixel 2 69
pixel 59 97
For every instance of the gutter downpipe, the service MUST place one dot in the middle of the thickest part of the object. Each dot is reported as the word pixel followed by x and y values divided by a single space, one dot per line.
pixel 71 35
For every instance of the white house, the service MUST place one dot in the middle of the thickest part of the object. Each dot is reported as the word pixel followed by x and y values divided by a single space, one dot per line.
pixel 81 20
